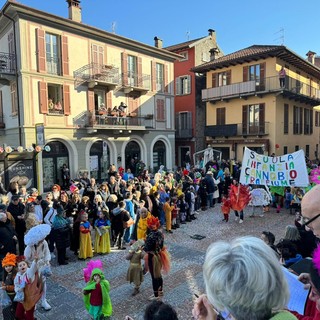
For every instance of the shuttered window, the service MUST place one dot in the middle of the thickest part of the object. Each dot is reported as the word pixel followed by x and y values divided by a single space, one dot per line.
pixel 160 110
pixel 221 116
pixel 183 85
pixel 297 120
pixel 65 55
pixel 14 98
pixel 308 127
pixel 253 119
pixel 41 50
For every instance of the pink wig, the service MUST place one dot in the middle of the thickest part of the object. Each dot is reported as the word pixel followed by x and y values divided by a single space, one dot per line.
pixel 92 264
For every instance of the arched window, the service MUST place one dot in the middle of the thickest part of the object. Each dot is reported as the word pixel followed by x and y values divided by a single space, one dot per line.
pixel 99 161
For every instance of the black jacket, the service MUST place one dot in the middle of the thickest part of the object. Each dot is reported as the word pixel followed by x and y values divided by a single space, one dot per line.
pixel 7 243
pixel 18 210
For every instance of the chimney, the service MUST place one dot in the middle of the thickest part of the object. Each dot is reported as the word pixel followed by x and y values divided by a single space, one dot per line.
pixel 212 34
pixel 74 10
pixel 311 56
pixel 213 53
pixel 157 42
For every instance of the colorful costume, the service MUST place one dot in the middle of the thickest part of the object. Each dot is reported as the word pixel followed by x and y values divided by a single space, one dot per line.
pixel 85 250
pixel 96 296
pixel 102 238
pixel 157 258
pixel 142 227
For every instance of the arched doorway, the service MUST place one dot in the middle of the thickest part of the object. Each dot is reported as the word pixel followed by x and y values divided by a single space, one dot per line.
pixel 99 161
pixel 52 163
pixel 132 155
pixel 159 155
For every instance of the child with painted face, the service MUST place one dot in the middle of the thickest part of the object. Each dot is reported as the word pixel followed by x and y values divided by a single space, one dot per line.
pixel 96 295
pixel 9 266
pixel 27 282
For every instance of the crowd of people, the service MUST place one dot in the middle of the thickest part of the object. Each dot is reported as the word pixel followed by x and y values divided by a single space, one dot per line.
pixel 129 211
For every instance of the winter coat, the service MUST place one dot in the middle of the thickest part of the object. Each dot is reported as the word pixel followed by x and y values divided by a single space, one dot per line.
pixel 7 243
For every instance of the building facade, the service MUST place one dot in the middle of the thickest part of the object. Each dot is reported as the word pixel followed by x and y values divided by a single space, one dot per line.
pixel 247 105
pixel 95 98
pixel 189 108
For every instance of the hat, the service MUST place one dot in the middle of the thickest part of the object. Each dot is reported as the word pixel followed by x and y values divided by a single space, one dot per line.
pixel 9 260
pixel 15 197
pixel 37 234
pixel 21 258
pixel 209 172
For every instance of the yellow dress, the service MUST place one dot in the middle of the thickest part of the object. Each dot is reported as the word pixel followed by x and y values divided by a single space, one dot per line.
pixel 85 250
pixel 102 240
pixel 142 227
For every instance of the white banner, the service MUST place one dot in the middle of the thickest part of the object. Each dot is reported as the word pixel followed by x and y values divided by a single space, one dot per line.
pixel 286 170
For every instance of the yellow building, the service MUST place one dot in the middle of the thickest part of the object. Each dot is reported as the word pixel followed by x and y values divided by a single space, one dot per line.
pixel 248 105
pixel 94 97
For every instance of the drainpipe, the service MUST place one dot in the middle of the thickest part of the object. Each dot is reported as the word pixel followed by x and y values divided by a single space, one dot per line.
pixel 17 77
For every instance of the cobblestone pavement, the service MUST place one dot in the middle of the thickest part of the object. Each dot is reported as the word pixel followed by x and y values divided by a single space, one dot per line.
pixel 185 278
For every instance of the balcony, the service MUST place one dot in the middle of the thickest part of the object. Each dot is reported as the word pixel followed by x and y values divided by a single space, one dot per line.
pixel 99 121
pixel 94 74
pixel 237 129
pixel 135 84
pixel 293 89
pixel 7 68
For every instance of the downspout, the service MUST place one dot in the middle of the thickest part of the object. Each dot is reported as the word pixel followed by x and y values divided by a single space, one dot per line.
pixel 17 77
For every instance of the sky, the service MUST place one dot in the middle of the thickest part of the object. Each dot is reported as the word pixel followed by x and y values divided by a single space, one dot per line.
pixel 238 24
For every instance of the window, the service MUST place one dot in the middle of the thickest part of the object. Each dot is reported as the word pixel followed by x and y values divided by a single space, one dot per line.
pixel 183 85
pixel 11 51
pixel 184 125
pixel 132 71
pixel 296 148
pixel 297 120
pixel 253 119
pixel 285 150
pixel 160 77
pixel 307 150
pixel 308 127
pixel 286 119
pixel 53 54
pixel 99 99
pixel 221 79
pixel 221 116
pixel 14 98
pixel 160 110
pixel 55 101
pixel 185 55
pixel 254 73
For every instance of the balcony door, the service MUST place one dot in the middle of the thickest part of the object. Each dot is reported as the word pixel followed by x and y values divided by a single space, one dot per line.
pixel 97 53
pixel 253 119
pixel 132 71
pixel 53 53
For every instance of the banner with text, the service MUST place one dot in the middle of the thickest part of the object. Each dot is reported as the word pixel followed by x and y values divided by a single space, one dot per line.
pixel 286 170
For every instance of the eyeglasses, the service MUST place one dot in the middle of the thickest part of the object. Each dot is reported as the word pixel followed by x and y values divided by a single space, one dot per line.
pixel 307 221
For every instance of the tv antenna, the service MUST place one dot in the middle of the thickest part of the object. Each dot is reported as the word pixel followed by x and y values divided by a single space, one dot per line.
pixel 280 36
pixel 113 27
pixel 188 35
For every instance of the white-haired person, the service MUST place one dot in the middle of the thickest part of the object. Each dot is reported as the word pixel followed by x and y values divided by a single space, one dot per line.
pixel 243 278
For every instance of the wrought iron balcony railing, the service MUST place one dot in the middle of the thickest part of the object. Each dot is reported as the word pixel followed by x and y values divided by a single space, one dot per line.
pixel 7 63
pixel 93 73
pixel 292 88
pixel 135 80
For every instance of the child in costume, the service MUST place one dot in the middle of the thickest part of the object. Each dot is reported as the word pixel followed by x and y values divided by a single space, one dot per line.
pixel 157 257
pixel 102 239
pixel 135 273
pixel 9 273
pixel 96 295
pixel 85 250
pixel 37 246
pixel 168 208
pixel 29 279
pixel 142 223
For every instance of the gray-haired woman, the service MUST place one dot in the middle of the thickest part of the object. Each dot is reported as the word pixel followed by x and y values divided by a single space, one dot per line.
pixel 243 278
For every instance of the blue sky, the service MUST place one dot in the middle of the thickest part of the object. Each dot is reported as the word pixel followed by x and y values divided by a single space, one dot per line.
pixel 238 24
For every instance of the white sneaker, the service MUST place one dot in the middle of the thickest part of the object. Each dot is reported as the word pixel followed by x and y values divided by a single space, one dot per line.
pixel 45 305
pixel 236 219
pixel 261 215
pixel 240 221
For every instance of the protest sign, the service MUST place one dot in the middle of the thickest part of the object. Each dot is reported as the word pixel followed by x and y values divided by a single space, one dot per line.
pixel 283 171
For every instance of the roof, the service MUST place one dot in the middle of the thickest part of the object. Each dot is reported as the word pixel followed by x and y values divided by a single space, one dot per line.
pixel 257 52
pixel 13 8
pixel 183 45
